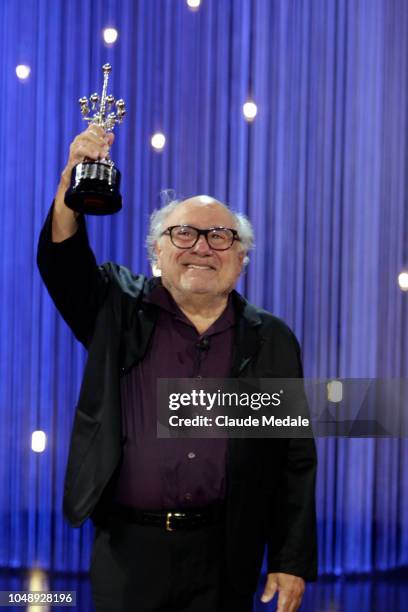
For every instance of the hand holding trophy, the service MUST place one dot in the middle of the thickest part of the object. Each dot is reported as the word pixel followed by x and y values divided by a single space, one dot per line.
pixel 94 188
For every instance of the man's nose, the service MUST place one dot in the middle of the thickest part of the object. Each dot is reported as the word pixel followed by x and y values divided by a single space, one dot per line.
pixel 202 246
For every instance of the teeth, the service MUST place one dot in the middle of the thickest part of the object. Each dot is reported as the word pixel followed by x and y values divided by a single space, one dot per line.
pixel 198 267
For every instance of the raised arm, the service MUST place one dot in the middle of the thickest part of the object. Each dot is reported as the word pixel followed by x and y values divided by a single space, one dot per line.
pixel 66 262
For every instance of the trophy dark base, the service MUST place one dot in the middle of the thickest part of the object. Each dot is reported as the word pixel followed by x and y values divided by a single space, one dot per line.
pixel 94 189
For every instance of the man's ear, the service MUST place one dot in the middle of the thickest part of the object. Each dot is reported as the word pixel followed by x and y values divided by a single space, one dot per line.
pixel 156 264
pixel 156 270
pixel 157 250
pixel 242 258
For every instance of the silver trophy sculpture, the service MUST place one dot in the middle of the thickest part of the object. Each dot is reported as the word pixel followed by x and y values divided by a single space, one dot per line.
pixel 94 188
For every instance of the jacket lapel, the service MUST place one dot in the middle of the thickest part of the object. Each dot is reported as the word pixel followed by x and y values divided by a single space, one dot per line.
pixel 136 337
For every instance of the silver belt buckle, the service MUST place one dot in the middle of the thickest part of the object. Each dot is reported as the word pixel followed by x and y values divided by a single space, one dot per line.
pixel 169 515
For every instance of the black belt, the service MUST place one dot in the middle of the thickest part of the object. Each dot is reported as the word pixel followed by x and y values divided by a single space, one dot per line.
pixel 171 520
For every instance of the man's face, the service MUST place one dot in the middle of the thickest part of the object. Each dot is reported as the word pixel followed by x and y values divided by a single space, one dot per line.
pixel 199 269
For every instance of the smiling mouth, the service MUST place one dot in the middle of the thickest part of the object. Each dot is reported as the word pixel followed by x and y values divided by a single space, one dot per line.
pixel 198 267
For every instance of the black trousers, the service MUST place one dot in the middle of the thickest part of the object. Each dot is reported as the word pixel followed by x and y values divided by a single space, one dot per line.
pixel 137 568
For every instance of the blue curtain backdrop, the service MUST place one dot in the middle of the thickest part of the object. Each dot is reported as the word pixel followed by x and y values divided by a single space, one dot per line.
pixel 321 172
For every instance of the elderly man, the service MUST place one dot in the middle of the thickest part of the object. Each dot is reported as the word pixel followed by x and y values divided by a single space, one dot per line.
pixel 180 524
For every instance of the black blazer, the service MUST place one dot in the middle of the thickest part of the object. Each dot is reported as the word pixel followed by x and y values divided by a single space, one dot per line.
pixel 270 495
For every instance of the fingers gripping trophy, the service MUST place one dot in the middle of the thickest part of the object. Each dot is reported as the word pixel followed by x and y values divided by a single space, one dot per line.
pixel 94 188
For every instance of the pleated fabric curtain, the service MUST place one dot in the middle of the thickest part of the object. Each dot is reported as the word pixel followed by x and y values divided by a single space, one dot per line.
pixel 321 172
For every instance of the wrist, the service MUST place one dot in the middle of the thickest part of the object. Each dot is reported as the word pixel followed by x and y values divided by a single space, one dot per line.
pixel 65 179
pixel 60 207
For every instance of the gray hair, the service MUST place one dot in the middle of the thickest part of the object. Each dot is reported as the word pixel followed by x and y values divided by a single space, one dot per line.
pixel 158 225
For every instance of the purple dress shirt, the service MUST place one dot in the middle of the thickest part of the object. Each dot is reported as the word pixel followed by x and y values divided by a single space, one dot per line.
pixel 167 474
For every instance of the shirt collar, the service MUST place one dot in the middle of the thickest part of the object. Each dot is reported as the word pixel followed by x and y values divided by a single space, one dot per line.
pixel 161 297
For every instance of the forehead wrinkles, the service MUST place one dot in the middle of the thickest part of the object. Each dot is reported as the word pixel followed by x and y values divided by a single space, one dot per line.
pixel 201 216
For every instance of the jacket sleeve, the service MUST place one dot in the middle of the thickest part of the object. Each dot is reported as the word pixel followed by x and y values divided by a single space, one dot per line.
pixel 73 279
pixel 292 545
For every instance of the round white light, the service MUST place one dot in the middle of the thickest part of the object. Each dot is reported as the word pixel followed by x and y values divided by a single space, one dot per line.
pixel 23 72
pixel 37 581
pixel 403 280
pixel 158 141
pixel 193 4
pixel 110 35
pixel 335 391
pixel 38 441
pixel 250 110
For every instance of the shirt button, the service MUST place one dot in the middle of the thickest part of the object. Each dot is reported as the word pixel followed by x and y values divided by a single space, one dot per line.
pixel 188 497
pixel 191 455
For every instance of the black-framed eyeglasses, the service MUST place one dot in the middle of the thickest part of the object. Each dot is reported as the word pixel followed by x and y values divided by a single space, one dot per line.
pixel 187 236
